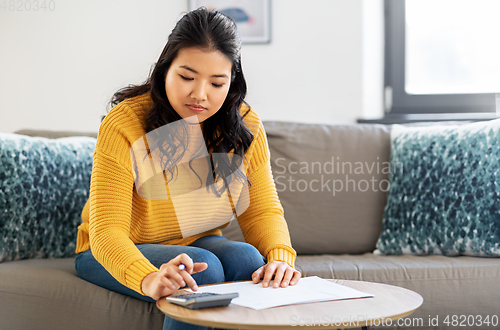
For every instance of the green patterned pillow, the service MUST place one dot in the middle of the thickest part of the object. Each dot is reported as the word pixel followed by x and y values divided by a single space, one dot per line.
pixel 44 184
pixel 444 195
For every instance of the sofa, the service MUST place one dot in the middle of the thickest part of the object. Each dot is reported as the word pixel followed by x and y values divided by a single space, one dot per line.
pixel 340 194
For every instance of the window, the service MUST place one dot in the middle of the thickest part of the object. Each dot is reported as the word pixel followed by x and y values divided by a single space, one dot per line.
pixel 442 59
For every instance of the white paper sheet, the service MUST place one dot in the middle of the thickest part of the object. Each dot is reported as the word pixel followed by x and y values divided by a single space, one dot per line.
pixel 308 289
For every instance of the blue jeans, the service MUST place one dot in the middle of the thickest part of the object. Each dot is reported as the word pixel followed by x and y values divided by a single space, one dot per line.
pixel 227 261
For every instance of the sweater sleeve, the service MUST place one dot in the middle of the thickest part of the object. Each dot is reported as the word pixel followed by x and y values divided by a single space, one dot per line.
pixel 263 223
pixel 111 190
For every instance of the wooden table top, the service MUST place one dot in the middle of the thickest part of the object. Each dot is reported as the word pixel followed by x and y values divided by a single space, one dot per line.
pixel 388 304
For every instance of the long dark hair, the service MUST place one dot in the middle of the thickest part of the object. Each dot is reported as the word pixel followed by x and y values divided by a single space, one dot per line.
pixel 223 132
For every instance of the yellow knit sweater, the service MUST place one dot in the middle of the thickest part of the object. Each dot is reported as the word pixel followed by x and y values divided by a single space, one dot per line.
pixel 116 218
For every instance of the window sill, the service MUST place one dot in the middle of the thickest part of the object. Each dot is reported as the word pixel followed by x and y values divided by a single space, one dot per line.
pixel 390 119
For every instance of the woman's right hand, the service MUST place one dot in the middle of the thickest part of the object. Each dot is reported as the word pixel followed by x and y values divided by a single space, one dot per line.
pixel 170 278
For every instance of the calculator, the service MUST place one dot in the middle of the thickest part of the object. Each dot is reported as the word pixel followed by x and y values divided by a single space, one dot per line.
pixel 202 300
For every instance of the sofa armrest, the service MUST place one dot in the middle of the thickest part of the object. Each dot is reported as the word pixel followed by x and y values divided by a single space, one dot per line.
pixel 53 134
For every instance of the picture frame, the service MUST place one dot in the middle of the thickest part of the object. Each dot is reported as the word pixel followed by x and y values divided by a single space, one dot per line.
pixel 253 17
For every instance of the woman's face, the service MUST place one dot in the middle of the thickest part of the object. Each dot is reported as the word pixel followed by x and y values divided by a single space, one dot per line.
pixel 197 82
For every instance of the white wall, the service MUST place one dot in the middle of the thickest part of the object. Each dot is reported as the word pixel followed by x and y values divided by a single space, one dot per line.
pixel 58 69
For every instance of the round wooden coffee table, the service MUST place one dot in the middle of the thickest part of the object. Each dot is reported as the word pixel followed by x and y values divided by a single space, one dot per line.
pixel 388 304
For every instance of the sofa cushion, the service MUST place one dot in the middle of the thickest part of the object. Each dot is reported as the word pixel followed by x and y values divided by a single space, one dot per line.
pixel 44 185
pixel 332 183
pixel 46 294
pixel 459 286
pixel 444 195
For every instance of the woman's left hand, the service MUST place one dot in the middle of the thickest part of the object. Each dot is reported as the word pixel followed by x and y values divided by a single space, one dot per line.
pixel 284 275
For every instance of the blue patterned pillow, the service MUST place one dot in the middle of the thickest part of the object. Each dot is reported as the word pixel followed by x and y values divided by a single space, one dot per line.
pixel 444 195
pixel 44 185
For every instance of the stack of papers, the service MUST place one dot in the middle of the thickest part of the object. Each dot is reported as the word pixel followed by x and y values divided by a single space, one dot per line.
pixel 308 289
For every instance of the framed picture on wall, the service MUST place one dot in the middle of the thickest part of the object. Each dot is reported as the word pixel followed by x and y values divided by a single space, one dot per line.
pixel 251 16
